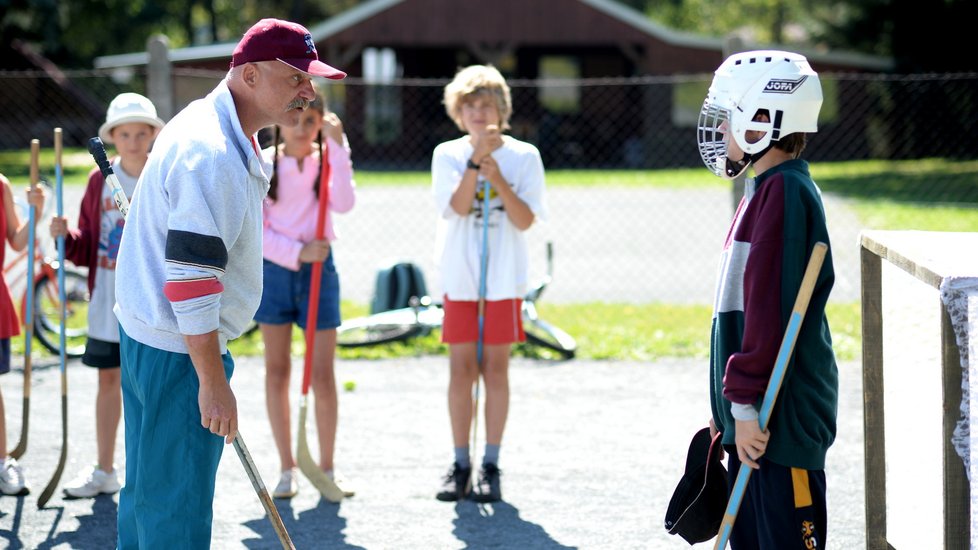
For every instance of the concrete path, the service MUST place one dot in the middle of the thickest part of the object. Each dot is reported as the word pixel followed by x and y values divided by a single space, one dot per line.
pixel 614 244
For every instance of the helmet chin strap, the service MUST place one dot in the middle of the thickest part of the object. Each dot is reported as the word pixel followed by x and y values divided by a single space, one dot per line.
pixel 735 168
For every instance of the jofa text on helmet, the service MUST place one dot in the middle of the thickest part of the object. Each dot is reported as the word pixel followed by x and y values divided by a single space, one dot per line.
pixel 784 86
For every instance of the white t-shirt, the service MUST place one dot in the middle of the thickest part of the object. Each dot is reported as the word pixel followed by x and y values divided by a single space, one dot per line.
pixel 458 244
pixel 102 323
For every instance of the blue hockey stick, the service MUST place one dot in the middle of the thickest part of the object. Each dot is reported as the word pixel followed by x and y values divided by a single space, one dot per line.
pixel 483 273
pixel 774 385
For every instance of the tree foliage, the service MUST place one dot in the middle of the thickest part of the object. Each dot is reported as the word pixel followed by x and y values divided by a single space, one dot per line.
pixel 894 28
pixel 73 32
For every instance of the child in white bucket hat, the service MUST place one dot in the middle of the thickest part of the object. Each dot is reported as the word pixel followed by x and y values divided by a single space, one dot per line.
pixel 128 108
pixel 131 124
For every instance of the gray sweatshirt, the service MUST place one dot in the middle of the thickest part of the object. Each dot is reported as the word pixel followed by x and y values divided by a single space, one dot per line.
pixel 190 259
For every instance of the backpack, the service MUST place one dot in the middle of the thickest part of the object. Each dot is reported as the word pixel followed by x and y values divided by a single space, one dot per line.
pixel 396 285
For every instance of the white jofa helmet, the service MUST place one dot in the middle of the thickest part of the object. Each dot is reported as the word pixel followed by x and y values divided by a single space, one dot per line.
pixel 783 83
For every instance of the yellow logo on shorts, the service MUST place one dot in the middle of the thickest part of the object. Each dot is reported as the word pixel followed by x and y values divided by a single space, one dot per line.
pixel 808 534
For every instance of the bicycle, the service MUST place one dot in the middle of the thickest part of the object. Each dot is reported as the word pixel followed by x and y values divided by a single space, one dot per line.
pixel 47 304
pixel 424 315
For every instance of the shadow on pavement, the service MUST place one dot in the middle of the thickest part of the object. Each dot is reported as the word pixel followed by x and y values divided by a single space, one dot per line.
pixel 499 525
pixel 95 531
pixel 13 535
pixel 321 527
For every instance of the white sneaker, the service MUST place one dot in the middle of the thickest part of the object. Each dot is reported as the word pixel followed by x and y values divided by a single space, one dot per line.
pixel 12 480
pixel 93 482
pixel 344 484
pixel 288 485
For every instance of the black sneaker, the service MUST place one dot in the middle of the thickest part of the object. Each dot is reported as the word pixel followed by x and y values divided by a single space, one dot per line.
pixel 488 489
pixel 456 484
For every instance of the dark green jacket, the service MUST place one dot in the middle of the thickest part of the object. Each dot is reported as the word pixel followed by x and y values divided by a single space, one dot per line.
pixel 764 258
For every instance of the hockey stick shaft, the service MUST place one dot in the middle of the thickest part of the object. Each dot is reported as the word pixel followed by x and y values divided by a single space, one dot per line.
pixel 62 298
pixel 774 385
pixel 480 342
pixel 266 501
pixel 97 149
pixel 307 465
pixel 21 447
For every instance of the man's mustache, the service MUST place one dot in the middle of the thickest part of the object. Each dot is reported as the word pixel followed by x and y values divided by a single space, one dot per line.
pixel 298 103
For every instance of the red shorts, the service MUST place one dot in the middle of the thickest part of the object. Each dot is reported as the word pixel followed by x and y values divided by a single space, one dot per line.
pixel 503 323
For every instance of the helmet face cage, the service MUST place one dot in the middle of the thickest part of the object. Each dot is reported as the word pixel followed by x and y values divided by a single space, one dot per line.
pixel 781 83
pixel 709 137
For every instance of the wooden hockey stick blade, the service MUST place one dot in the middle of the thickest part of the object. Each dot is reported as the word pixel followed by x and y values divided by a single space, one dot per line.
pixel 56 478
pixel 774 385
pixel 21 446
pixel 308 466
pixel 259 485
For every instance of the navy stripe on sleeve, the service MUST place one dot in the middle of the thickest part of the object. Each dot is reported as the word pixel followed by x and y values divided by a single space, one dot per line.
pixel 194 249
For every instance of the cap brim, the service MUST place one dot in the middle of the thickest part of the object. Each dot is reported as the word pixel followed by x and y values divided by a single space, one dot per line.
pixel 697 505
pixel 105 130
pixel 315 68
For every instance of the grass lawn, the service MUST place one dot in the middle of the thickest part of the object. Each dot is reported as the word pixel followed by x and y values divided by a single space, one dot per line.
pixel 929 194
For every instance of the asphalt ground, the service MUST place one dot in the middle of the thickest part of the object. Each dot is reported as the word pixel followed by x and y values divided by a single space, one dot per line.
pixel 591 455
pixel 592 451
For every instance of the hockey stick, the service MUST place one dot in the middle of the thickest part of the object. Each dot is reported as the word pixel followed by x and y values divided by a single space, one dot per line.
pixel 21 447
pixel 62 298
pixel 774 385
pixel 97 149
pixel 326 486
pixel 266 501
pixel 479 344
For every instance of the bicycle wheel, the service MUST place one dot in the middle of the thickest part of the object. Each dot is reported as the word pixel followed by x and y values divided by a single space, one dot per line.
pixel 543 334
pixel 385 327
pixel 47 312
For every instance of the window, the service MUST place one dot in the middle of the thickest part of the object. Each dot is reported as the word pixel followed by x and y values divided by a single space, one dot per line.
pixel 560 97
pixel 383 105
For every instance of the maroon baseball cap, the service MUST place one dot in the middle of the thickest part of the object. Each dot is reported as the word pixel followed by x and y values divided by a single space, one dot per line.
pixel 288 42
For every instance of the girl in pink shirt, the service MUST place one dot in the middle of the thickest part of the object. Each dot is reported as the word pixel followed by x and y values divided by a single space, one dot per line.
pixel 290 249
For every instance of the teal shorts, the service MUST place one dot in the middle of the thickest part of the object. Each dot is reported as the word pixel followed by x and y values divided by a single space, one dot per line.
pixel 171 460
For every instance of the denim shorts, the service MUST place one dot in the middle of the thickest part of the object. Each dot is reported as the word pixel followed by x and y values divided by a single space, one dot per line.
pixel 285 298
pixel 4 355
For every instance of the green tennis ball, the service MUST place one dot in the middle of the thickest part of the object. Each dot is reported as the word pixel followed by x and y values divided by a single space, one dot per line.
pixel 349 385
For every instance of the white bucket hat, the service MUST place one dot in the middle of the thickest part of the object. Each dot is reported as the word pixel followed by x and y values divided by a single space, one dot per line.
pixel 125 108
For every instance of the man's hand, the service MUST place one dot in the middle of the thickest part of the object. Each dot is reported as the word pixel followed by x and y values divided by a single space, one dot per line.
pixel 314 251
pixel 751 442
pixel 218 409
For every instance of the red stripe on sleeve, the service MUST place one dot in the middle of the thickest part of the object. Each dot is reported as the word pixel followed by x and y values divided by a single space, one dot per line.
pixel 178 291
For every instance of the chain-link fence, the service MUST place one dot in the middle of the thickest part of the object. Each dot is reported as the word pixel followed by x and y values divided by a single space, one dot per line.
pixel 614 242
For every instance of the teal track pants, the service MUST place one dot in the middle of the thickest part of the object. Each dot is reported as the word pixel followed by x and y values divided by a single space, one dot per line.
pixel 171 460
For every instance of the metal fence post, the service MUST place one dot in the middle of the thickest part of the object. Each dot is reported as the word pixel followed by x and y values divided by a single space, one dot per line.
pixel 159 78
pixel 734 44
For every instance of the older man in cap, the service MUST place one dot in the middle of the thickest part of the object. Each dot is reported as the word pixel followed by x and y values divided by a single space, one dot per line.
pixel 189 279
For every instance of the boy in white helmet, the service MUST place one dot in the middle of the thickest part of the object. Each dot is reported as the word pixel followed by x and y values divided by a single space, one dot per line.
pixel 756 114
pixel 131 125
